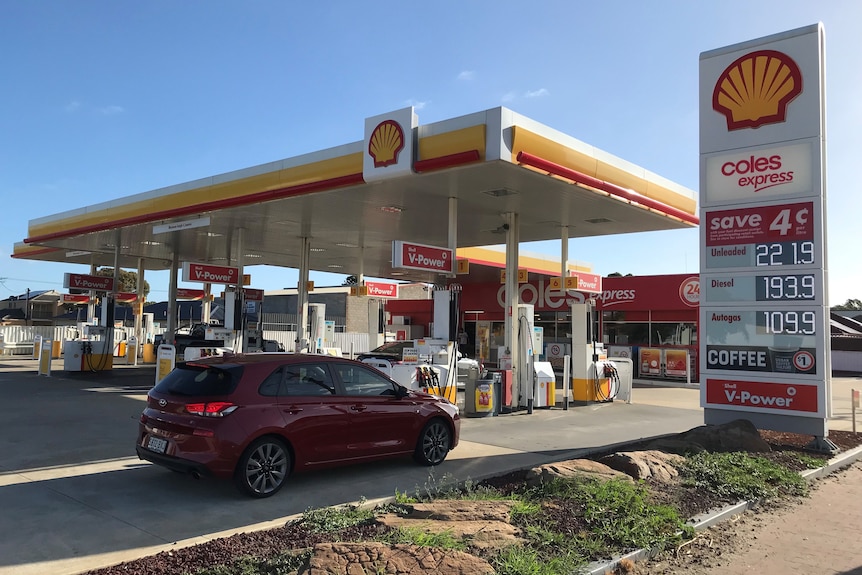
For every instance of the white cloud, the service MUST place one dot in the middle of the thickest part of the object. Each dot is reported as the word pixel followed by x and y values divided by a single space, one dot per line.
pixel 417 105
pixel 467 75
pixel 508 96
pixel 536 93
pixel 73 106
pixel 111 110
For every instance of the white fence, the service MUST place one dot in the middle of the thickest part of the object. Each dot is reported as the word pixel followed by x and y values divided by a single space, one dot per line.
pixel 847 361
pixel 355 342
pixel 18 339
pixel 27 333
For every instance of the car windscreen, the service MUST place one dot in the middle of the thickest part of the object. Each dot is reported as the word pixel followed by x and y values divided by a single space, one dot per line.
pixel 392 347
pixel 197 380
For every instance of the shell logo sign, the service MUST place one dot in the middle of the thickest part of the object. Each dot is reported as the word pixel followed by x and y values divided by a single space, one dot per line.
pixel 386 142
pixel 755 89
pixel 388 145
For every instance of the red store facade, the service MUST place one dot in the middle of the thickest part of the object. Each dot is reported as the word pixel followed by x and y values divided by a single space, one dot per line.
pixel 651 319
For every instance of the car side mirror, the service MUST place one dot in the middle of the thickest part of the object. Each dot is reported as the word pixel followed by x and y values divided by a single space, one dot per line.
pixel 401 392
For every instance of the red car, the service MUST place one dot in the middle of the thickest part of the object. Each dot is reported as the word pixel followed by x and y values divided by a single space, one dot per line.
pixel 259 417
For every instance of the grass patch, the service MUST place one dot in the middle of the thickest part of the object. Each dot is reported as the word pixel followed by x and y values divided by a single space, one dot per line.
pixel 331 519
pixel 522 560
pixel 415 536
pixel 738 476
pixel 599 518
pixel 447 489
pixel 811 461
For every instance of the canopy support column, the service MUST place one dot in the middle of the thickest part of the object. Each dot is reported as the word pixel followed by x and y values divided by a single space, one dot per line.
pixel 91 303
pixel 564 254
pixel 139 307
pixel 512 299
pixel 172 296
pixel 302 296
pixel 453 233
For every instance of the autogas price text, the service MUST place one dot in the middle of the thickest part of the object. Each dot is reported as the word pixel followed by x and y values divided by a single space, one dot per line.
pixel 786 322
pixel 785 287
pixel 785 253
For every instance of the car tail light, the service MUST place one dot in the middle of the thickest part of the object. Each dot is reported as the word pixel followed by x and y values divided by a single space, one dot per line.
pixel 211 409
pixel 144 418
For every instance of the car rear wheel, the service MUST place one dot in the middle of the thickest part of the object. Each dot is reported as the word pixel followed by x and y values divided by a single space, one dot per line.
pixel 434 443
pixel 263 467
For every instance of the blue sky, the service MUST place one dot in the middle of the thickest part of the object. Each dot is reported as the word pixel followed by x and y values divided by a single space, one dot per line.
pixel 104 99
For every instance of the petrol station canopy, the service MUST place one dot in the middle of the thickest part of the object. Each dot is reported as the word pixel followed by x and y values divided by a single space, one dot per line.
pixel 353 201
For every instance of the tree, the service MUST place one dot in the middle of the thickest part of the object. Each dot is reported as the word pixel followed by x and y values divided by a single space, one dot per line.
pixel 128 280
pixel 849 305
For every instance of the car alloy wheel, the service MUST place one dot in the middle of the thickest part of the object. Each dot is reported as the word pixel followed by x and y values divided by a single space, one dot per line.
pixel 434 443
pixel 263 468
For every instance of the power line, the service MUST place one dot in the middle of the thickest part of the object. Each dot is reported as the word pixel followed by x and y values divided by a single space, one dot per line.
pixel 3 280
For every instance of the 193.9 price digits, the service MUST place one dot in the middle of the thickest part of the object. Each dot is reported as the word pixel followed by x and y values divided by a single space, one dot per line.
pixel 785 287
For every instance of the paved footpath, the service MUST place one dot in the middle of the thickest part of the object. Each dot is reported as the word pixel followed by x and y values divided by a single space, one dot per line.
pixel 821 536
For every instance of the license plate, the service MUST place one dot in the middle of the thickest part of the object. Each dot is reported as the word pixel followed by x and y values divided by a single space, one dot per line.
pixel 157 444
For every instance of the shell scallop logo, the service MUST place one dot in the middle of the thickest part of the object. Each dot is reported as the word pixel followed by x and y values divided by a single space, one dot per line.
pixel 756 89
pixel 385 143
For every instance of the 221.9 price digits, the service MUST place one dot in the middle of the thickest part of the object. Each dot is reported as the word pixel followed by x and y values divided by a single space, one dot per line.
pixel 785 253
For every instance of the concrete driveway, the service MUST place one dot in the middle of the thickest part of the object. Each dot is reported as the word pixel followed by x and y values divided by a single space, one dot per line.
pixel 75 497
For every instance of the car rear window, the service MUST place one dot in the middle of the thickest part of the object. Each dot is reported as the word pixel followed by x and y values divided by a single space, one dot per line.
pixel 195 380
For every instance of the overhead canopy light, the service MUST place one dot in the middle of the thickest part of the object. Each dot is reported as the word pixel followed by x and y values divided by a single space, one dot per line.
pixel 499 193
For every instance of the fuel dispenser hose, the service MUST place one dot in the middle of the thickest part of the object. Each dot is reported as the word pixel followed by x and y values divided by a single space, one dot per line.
pixel 610 372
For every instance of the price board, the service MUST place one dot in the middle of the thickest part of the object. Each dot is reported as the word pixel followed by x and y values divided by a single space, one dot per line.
pixel 764 345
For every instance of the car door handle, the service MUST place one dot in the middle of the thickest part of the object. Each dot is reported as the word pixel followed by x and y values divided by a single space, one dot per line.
pixel 292 410
pixel 358 407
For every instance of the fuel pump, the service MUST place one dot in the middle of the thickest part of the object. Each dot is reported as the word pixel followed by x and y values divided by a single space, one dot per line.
pixel 591 381
pixel 317 331
pixel 234 318
pixel 527 373
pixel 447 302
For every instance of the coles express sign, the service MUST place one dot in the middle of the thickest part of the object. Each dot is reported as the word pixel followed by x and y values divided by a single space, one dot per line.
pixel 784 171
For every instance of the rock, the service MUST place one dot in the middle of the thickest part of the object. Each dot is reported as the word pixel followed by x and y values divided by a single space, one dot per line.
pixel 364 558
pixel 671 445
pixel 481 534
pixel 574 468
pixel 462 510
pixel 645 464
pixel 485 523
pixel 737 435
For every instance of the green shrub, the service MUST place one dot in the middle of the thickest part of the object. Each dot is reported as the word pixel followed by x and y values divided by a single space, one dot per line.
pixel 738 476
pixel 329 519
